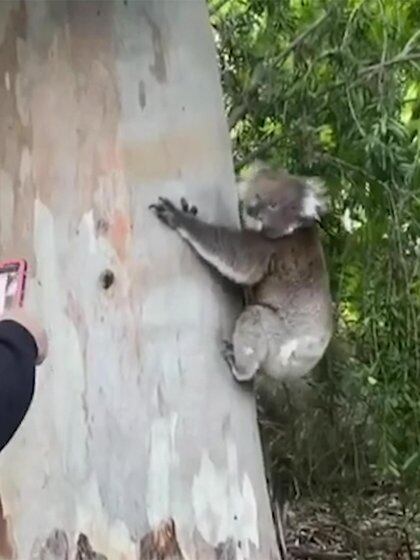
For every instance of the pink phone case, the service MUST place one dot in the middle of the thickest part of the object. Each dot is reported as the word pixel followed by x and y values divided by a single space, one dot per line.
pixel 21 267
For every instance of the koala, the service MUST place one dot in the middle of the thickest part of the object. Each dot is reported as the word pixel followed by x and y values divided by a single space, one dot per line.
pixel 278 258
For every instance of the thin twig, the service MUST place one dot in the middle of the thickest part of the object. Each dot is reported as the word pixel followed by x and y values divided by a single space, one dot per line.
pixel 300 38
pixel 372 69
pixel 353 114
pixel 342 163
pixel 237 113
pixel 258 152
pixel 384 54
pixel 411 40
pixel 216 7
pixel 405 530
pixel 408 544
pixel 400 59
pixel 353 14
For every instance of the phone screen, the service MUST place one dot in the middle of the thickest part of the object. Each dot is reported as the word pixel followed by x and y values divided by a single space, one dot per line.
pixel 9 286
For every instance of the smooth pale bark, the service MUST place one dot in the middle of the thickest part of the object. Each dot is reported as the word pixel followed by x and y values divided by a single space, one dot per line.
pixel 138 444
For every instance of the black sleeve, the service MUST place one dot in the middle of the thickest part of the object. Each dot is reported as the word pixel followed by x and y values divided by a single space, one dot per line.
pixel 18 353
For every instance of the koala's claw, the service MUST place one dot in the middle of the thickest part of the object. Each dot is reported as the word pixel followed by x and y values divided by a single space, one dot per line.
pixel 241 375
pixel 228 353
pixel 187 208
pixel 166 212
pixel 169 214
pixel 162 205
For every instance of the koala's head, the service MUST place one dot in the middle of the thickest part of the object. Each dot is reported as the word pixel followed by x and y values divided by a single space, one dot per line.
pixel 277 204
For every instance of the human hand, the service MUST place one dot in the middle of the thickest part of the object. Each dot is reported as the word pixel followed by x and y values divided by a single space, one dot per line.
pixel 29 322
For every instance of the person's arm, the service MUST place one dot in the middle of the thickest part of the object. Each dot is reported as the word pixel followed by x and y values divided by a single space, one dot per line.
pixel 22 345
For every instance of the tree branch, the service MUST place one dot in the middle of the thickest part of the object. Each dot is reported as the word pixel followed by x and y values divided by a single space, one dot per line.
pixel 340 163
pixel 400 59
pixel 373 68
pixel 237 113
pixel 213 9
pixel 258 152
pixel 300 38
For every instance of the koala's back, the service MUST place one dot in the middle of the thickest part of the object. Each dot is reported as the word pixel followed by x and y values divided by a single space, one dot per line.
pixel 296 291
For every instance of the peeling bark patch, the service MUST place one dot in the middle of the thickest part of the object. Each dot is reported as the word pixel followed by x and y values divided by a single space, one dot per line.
pixel 161 543
pixel 102 226
pixel 75 313
pixel 162 458
pixel 226 551
pixel 85 550
pixel 15 133
pixel 158 68
pixel 20 20
pixel 119 231
pixel 142 94
pixel 224 503
pixel 6 547
pixel 56 547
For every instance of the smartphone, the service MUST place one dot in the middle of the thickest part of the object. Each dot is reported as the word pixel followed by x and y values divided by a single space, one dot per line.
pixel 12 284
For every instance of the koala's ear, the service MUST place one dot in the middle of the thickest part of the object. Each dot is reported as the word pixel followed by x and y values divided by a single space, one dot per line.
pixel 315 199
pixel 256 167
pixel 248 181
pixel 249 173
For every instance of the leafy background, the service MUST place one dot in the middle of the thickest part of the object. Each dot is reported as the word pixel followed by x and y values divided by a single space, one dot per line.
pixel 331 88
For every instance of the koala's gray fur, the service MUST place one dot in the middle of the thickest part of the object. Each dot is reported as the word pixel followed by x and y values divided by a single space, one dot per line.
pixel 287 323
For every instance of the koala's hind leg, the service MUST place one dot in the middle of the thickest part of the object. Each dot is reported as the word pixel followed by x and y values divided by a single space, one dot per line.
pixel 250 342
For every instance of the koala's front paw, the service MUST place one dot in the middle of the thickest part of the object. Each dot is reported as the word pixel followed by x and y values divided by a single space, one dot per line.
pixel 166 212
pixel 187 208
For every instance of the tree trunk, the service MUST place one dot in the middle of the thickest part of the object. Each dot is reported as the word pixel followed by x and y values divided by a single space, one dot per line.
pixel 138 443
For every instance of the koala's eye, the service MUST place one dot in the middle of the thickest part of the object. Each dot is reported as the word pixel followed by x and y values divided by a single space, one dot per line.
pixel 273 205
